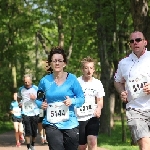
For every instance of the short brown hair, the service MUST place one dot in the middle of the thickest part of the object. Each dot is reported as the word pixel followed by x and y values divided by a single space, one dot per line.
pixel 87 59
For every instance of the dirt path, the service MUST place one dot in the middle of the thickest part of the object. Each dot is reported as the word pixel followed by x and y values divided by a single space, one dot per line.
pixel 7 142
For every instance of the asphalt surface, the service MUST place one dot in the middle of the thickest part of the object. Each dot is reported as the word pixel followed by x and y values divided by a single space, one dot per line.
pixel 7 142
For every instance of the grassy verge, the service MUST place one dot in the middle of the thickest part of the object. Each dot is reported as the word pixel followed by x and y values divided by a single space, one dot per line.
pixel 114 142
pixel 6 126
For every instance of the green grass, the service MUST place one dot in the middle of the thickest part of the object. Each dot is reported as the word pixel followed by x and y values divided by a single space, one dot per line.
pixel 6 126
pixel 114 142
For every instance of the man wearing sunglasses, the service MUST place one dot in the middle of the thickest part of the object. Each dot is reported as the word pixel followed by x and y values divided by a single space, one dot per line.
pixel 132 81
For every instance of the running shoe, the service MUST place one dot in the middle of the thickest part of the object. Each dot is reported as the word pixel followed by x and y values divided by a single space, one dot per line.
pixel 18 145
pixel 32 147
pixel 42 141
pixel 45 142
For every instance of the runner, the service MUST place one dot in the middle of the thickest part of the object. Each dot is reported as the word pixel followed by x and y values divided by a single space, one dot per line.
pixel 41 130
pixel 132 81
pixel 63 93
pixel 17 121
pixel 89 113
pixel 28 94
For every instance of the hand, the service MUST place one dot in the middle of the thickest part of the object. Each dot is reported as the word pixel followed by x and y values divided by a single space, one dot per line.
pixel 97 112
pixel 44 105
pixel 32 96
pixel 146 88
pixel 123 96
pixel 68 101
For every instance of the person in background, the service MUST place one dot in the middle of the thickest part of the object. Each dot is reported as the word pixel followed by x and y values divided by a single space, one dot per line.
pixel 89 113
pixel 62 93
pixel 28 93
pixel 132 81
pixel 41 130
pixel 17 121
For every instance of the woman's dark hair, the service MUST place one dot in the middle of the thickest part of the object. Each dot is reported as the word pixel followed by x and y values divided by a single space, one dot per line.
pixel 56 50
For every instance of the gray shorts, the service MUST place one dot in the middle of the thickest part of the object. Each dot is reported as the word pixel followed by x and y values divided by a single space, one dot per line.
pixel 138 122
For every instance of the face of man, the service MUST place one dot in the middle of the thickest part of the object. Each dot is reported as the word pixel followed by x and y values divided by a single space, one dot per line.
pixel 137 43
pixel 27 82
pixel 88 69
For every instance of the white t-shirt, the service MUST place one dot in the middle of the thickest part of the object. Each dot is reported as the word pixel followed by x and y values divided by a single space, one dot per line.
pixel 29 106
pixel 91 90
pixel 135 72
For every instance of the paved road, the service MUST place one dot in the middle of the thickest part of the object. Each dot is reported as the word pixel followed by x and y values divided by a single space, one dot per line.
pixel 7 142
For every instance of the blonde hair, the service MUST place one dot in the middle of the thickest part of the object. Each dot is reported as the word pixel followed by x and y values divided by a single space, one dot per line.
pixel 86 60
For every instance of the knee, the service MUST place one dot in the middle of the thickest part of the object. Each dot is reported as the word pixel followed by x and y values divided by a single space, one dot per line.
pixel 92 141
pixel 82 147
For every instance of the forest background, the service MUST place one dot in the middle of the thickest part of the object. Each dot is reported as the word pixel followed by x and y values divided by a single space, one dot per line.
pixel 96 28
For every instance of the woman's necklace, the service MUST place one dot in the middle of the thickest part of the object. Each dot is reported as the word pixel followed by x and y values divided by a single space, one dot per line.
pixel 59 79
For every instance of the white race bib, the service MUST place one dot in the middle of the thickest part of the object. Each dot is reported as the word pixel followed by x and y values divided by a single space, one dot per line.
pixel 17 111
pixel 136 86
pixel 41 111
pixel 86 109
pixel 28 107
pixel 57 112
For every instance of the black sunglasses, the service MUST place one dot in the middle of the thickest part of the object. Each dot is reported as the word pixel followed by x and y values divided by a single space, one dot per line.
pixel 136 40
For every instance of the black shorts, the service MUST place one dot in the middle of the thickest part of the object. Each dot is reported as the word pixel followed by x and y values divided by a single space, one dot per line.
pixel 88 127
pixel 30 125
pixel 62 139
pixel 15 119
pixel 40 119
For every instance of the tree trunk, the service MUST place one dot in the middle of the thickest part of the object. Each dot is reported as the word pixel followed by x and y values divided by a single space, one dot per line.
pixel 141 19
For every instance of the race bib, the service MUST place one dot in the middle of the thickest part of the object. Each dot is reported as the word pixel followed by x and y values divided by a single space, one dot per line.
pixel 86 109
pixel 28 107
pixel 136 86
pixel 41 111
pixel 57 112
pixel 17 111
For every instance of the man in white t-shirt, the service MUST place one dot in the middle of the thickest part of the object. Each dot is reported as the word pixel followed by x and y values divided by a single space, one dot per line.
pixel 88 115
pixel 132 81
pixel 28 93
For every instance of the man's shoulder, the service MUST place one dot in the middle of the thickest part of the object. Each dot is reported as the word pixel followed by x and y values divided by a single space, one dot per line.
pixel 126 59
pixel 79 78
pixel 22 87
pixel 34 87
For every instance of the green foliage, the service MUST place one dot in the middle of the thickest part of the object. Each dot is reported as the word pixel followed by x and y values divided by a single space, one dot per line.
pixel 81 21
pixel 6 126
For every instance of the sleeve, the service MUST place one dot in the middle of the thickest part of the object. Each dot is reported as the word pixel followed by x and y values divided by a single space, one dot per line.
pixel 35 90
pixel 78 99
pixel 100 92
pixel 118 75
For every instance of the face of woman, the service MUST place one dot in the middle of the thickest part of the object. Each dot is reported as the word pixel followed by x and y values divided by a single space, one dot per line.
pixel 57 63
pixel 88 69
pixel 15 96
